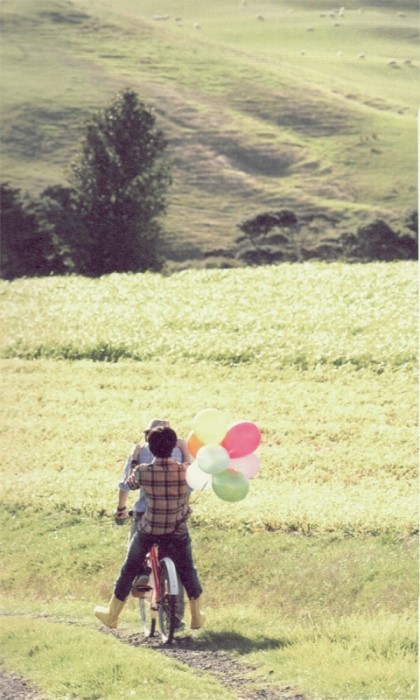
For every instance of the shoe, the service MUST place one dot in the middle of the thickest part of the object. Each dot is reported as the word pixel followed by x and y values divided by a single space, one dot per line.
pixel 109 616
pixel 179 625
pixel 197 617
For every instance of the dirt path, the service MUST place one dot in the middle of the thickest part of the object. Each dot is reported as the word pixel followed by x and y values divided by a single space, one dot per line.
pixel 14 688
pixel 233 675
pixel 185 649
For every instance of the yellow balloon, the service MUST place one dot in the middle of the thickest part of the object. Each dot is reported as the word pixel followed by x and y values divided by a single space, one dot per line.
pixel 210 425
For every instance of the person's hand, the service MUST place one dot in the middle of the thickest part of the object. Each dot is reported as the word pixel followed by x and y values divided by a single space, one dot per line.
pixel 121 516
pixel 132 482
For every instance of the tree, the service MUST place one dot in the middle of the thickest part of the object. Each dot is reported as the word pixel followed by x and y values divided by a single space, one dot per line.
pixel 378 241
pixel 259 232
pixel 58 217
pixel 413 223
pixel 25 250
pixel 278 236
pixel 121 179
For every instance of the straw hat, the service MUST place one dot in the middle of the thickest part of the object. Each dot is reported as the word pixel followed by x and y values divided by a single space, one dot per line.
pixel 156 422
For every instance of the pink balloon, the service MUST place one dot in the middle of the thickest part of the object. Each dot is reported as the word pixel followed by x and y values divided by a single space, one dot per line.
pixel 248 465
pixel 241 439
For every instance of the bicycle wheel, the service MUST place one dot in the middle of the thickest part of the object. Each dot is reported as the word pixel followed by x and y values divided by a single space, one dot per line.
pixel 166 606
pixel 148 614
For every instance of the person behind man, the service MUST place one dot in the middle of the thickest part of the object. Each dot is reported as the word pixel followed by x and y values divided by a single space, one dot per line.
pixel 164 523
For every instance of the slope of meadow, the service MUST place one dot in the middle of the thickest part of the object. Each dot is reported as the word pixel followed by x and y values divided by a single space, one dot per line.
pixel 310 581
pixel 266 104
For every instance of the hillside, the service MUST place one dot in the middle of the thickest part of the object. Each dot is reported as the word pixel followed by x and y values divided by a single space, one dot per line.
pixel 266 105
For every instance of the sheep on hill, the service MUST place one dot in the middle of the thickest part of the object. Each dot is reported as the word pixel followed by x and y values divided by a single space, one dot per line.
pixel 338 12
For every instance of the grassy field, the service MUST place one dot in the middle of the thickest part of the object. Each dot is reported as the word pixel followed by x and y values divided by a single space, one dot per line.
pixel 312 579
pixel 260 113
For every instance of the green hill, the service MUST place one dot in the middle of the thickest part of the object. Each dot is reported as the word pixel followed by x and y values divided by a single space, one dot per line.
pixel 266 105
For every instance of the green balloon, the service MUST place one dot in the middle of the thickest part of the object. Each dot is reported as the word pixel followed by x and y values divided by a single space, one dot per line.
pixel 230 486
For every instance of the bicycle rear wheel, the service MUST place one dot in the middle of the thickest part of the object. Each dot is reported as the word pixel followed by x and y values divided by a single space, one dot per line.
pixel 166 606
pixel 148 614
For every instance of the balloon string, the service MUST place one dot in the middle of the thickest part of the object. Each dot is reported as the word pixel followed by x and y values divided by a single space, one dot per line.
pixel 197 492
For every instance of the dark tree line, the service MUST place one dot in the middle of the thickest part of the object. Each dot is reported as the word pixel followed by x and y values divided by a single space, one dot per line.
pixel 107 220
pixel 280 236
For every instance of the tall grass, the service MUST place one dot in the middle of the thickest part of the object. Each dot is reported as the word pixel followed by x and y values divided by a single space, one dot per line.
pixel 283 344
pixel 306 317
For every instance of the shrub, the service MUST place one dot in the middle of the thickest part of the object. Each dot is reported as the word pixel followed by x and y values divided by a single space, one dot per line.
pixel 25 250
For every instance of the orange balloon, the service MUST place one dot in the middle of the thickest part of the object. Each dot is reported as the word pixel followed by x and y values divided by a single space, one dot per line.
pixel 193 444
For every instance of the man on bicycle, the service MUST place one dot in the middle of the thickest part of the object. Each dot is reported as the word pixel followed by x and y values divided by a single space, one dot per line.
pixel 141 454
pixel 164 523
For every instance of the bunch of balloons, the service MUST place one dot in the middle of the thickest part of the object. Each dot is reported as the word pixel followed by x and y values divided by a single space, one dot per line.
pixel 224 455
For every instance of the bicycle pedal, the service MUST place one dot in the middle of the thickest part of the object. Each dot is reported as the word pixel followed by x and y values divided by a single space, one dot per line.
pixel 141 591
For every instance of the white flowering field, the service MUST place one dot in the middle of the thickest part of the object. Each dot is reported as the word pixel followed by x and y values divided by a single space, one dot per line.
pixel 302 316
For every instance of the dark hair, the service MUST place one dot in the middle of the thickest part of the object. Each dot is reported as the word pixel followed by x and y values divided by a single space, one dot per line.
pixel 162 441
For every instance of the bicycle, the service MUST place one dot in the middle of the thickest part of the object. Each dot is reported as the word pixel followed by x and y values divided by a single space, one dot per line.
pixel 158 599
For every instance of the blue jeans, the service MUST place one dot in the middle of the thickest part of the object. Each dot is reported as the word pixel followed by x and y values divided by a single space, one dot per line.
pixel 178 547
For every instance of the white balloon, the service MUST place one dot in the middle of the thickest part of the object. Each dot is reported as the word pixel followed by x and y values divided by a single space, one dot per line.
pixel 197 479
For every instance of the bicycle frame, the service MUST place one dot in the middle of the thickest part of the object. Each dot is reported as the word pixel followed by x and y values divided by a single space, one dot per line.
pixel 173 579
pixel 159 604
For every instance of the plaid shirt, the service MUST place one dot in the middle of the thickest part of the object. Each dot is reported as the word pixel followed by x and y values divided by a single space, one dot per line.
pixel 166 490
